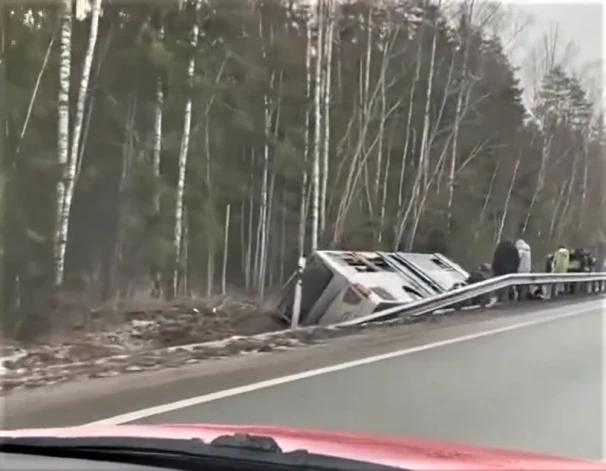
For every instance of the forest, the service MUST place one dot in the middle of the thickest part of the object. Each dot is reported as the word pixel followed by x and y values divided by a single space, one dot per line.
pixel 200 147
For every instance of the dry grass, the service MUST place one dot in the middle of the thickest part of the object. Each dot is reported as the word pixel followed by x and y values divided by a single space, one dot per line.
pixel 74 315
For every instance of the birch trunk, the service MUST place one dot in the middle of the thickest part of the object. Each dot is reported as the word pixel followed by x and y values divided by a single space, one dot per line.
pixel 72 164
pixel 157 139
pixel 283 226
pixel 554 214
pixel 63 135
pixel 315 173
pixel 569 195
pixel 32 100
pixel 365 106
pixel 326 99
pixel 183 153
pixel 545 152
pixel 210 259
pixel 111 288
pixel 420 181
pixel 225 251
pixel 262 228
pixel 485 204
pixel 382 119
pixel 499 234
pixel 274 122
pixel 248 273
pixel 423 154
pixel 263 210
pixel 91 100
pixel 266 236
pixel 455 140
pixel 307 144
pixel 384 194
pixel 584 183
pixel 401 215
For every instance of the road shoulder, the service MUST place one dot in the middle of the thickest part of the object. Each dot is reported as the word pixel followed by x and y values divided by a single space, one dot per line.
pixel 86 401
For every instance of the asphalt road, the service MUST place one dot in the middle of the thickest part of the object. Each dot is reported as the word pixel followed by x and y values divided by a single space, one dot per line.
pixel 537 388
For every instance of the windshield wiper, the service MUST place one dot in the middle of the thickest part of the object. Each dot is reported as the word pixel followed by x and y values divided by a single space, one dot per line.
pixel 228 452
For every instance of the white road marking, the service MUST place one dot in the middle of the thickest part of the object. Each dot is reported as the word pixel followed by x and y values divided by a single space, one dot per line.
pixel 151 411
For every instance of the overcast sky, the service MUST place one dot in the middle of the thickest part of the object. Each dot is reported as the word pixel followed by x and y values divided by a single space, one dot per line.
pixel 580 22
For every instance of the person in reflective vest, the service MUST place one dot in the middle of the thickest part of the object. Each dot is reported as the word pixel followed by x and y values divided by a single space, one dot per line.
pixel 561 261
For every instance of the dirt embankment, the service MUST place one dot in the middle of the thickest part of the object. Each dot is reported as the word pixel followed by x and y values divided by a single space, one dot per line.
pixel 136 337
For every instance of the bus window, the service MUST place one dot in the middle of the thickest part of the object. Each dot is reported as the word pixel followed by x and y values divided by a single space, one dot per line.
pixel 351 297
pixel 316 279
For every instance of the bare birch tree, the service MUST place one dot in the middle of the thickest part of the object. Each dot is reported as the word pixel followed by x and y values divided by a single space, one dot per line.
pixel 318 123
pixel 158 113
pixel 184 149
pixel 72 165
pixel 63 137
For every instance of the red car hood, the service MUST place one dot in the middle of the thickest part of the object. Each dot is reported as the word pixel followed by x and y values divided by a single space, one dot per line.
pixel 409 454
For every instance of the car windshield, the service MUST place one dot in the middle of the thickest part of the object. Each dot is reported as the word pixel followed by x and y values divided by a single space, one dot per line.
pixel 370 231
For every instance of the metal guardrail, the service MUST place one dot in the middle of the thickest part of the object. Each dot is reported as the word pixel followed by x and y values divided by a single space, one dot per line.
pixel 597 281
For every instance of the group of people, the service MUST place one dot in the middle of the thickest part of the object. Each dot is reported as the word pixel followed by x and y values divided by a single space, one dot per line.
pixel 516 257
pixel 510 257
pixel 564 260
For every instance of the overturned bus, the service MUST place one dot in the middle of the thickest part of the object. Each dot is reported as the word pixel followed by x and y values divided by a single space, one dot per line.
pixel 341 285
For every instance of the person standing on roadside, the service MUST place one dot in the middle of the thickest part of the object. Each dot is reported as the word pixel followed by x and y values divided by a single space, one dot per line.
pixel 506 260
pixel 549 263
pixel 525 265
pixel 561 262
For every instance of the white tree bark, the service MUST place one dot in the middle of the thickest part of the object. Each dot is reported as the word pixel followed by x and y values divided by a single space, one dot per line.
pixel 183 153
pixel 32 100
pixel 455 140
pixel 410 132
pixel 63 135
pixel 545 153
pixel 248 263
pixel 225 250
pixel 482 216
pixel 421 178
pixel 318 122
pixel 263 207
pixel 380 198
pixel 72 164
pixel 307 144
pixel 157 139
pixel 326 99
pixel 423 153
pixel 501 228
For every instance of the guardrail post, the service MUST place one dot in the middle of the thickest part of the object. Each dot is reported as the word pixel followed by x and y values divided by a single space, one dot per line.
pixel 296 308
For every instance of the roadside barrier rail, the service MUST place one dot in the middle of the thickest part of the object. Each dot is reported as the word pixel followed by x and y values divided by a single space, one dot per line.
pixel 593 283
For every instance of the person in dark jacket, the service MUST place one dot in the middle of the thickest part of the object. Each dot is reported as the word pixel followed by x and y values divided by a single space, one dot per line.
pixel 549 263
pixel 580 262
pixel 506 260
